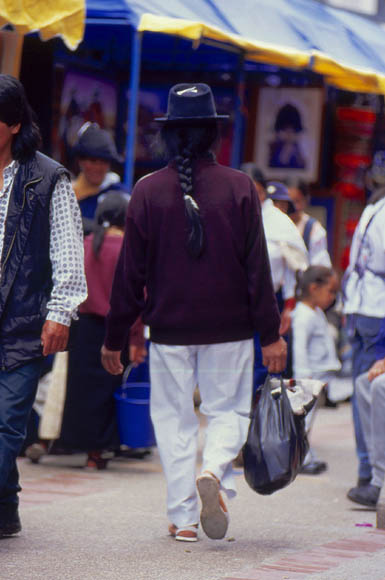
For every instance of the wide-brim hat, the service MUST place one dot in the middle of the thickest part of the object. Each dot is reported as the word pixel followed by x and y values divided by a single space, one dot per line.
pixel 191 102
pixel 95 143
pixel 278 191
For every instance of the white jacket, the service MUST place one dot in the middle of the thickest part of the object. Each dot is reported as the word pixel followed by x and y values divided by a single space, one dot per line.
pixel 314 351
pixel 286 248
pixel 365 289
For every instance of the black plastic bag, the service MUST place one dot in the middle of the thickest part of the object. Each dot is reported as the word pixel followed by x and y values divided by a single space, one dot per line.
pixel 276 443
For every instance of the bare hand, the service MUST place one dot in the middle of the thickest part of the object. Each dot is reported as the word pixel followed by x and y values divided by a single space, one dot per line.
pixel 285 321
pixel 377 369
pixel 274 356
pixel 137 354
pixel 54 337
pixel 111 361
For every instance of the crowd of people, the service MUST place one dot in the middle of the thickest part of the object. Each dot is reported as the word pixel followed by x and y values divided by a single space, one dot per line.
pixel 227 270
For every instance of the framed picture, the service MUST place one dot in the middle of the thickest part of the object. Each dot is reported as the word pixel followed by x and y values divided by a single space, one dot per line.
pixel 83 97
pixel 288 132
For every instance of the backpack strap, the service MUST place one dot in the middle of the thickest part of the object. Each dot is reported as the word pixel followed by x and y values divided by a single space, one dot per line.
pixel 307 231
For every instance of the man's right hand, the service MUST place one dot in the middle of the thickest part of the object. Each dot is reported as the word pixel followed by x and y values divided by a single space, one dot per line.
pixel 274 356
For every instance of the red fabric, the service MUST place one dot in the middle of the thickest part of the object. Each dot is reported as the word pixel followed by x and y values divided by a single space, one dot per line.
pixel 289 304
pixel 100 274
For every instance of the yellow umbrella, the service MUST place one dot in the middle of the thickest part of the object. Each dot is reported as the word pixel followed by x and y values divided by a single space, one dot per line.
pixel 64 18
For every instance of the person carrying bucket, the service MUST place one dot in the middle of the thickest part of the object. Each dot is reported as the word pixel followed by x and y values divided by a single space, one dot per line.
pixel 89 415
pixel 194 239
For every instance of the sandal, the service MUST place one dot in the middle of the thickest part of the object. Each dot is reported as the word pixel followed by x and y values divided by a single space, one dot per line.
pixel 214 515
pixel 185 534
pixel 96 461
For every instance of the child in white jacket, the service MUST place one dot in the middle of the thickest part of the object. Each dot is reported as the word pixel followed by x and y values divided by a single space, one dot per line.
pixel 314 351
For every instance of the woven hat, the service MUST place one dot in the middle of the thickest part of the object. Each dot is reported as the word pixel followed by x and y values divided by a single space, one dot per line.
pixel 95 143
pixel 191 102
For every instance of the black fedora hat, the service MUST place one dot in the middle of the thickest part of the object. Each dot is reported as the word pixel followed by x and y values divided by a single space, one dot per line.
pixel 190 102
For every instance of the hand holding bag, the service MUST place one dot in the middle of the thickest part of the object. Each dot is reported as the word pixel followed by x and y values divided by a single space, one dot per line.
pixel 276 443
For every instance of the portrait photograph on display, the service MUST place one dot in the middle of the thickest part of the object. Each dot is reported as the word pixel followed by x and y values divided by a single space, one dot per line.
pixel 288 132
pixel 83 97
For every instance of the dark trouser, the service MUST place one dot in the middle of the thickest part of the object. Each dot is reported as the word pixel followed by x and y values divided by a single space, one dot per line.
pixel 17 394
pixel 367 338
pixel 260 371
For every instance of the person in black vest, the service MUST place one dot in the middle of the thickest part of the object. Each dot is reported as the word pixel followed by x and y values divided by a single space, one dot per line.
pixel 42 277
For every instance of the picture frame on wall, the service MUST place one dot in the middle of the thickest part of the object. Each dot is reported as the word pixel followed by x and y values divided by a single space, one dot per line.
pixel 288 133
pixel 82 97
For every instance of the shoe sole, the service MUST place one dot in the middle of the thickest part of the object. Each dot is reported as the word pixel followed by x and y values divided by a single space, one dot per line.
pixel 213 519
pixel 364 503
pixel 313 472
pixel 11 531
pixel 180 537
pixel 186 538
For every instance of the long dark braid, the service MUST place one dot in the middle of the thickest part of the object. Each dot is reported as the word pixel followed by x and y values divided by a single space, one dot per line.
pixel 195 240
pixel 186 143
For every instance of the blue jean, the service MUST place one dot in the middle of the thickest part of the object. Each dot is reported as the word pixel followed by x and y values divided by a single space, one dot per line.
pixel 367 337
pixel 17 394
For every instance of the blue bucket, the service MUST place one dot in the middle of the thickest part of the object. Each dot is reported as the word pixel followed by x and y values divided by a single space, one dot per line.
pixel 133 411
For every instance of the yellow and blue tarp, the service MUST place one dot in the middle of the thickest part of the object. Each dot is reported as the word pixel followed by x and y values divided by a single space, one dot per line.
pixel 64 18
pixel 348 50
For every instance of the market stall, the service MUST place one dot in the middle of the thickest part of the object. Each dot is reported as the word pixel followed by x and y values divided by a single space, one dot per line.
pixel 133 51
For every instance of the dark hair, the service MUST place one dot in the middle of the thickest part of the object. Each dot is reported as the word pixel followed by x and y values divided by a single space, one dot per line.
pixel 377 194
pixel 184 143
pixel 253 171
pixel 258 176
pixel 14 109
pixel 313 275
pixel 288 116
pixel 303 188
pixel 111 211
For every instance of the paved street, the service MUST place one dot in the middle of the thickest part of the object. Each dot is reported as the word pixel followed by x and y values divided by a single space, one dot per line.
pixel 81 525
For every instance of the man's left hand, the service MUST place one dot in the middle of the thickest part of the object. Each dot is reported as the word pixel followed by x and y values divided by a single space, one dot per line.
pixel 54 337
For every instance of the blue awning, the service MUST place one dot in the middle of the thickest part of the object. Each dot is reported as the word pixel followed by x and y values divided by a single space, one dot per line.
pixel 348 50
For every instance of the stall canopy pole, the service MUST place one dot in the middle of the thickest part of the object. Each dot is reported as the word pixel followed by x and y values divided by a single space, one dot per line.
pixel 129 164
pixel 236 154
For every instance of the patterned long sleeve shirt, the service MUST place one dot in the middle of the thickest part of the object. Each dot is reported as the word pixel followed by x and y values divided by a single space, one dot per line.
pixel 66 246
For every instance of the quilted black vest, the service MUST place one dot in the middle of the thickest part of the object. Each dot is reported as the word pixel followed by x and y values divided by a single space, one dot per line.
pixel 25 270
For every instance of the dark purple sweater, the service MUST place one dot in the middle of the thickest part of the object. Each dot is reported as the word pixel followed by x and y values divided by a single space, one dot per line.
pixel 225 295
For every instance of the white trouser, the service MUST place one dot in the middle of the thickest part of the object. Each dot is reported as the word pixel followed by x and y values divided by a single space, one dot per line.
pixel 224 374
pixel 371 407
pixel 310 418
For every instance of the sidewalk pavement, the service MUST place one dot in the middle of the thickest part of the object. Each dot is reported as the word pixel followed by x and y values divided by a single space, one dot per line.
pixel 81 525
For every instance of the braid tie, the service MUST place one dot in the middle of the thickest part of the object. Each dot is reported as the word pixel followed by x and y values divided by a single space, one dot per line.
pixel 185 173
